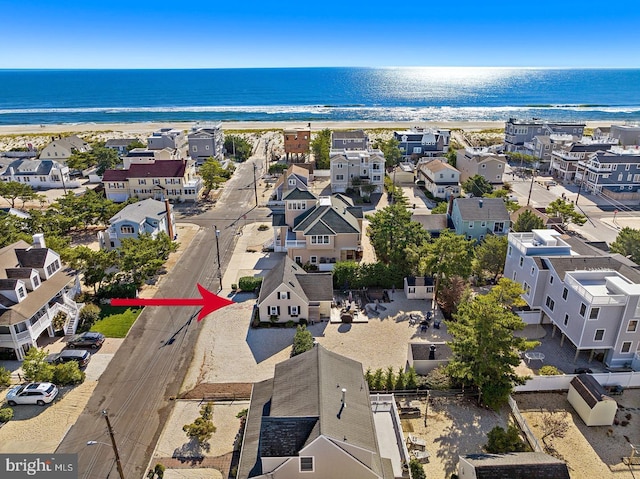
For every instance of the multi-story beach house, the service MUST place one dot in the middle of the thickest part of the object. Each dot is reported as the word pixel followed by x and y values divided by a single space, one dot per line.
pixel 627 135
pixel 542 147
pixel 166 138
pixel 34 287
pixel 591 297
pixel 476 218
pixel 480 161
pixel 418 142
pixel 440 178
pixel 349 140
pixel 39 174
pixel 316 418
pixel 614 173
pixel 564 160
pixel 297 143
pixel 319 231
pixel 121 145
pixel 519 132
pixel 294 177
pixel 206 141
pixel 175 180
pixel 352 168
pixel 60 149
pixel 146 216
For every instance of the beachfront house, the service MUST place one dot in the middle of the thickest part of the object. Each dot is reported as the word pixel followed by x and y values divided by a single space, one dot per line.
pixel 475 218
pixel 289 293
pixel 518 132
pixel 146 216
pixel 315 418
pixel 614 173
pixel 175 180
pixel 166 138
pixel 319 231
pixel 34 287
pixel 480 161
pixel 206 141
pixel 592 298
pixel 440 178
pixel 39 174
pixel 60 149
pixel 418 142
pixel 362 170
pixel 543 146
pixel 627 135
pixel 121 145
pixel 297 144
pixel 349 140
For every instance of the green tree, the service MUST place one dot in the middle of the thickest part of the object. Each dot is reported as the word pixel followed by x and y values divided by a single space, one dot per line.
pixel 302 341
pixel 13 190
pixel 401 379
pixel 88 315
pixel 12 230
pixel 441 208
pixel 411 378
pixel 68 373
pixel 5 377
pixel 528 221
pixel 389 379
pixel 136 144
pixel 96 266
pixel 320 146
pixel 508 293
pixel 503 442
pixel 390 150
pixel 345 274
pixel 213 174
pixel 417 469
pixel 627 243
pixel 452 292
pixel 238 147
pixel 142 258
pixel 59 320
pixel 477 185
pixel 35 367
pixel 490 256
pixel 6 414
pixel 566 211
pixel 392 231
pixel 104 159
pixel 80 160
pixel 485 350
pixel 378 380
pixel 452 156
pixel 202 428
pixel 447 256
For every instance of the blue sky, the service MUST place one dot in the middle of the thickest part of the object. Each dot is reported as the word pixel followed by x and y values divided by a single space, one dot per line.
pixel 228 33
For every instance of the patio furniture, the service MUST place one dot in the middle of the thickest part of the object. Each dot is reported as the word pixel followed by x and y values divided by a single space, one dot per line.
pixel 436 324
pixel 422 456
pixel 414 442
pixel 534 356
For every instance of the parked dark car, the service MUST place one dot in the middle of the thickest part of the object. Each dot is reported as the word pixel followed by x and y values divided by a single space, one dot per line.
pixel 81 357
pixel 86 340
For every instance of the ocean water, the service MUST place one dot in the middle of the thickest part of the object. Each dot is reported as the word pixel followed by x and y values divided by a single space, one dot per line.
pixel 318 94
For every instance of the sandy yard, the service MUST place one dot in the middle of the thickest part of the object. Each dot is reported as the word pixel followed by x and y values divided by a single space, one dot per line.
pixel 595 451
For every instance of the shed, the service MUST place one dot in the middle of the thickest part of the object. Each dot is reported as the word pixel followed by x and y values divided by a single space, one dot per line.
pixel 418 287
pixel 591 401
pixel 514 465
pixel 425 357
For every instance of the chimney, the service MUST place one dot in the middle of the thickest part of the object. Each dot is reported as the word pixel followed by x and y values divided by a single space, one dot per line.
pixel 167 207
pixel 38 241
pixel 432 352
pixel 450 208
pixel 344 393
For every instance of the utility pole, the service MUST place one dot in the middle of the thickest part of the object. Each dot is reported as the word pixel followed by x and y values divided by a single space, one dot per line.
pixel 217 232
pixel 533 175
pixel 113 443
pixel 255 185
pixel 580 185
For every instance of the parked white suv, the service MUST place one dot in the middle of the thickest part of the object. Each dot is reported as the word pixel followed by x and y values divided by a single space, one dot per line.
pixel 32 393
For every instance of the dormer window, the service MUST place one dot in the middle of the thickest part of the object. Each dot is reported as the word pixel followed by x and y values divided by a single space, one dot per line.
pixel 53 267
pixel 21 293
pixel 36 281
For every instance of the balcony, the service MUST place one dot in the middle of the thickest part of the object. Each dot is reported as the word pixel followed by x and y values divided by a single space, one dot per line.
pixel 295 244
pixel 595 299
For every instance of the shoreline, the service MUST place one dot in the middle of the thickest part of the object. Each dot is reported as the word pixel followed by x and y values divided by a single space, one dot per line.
pixel 143 127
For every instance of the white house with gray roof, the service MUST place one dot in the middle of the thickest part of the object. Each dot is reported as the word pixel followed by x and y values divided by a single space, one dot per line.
pixel 591 298
pixel 39 174
pixel 354 168
pixel 147 216
pixel 419 142
pixel 315 418
pixel 440 178
pixel 319 231
pixel 475 218
pixel 289 293
pixel 60 149
pixel 34 287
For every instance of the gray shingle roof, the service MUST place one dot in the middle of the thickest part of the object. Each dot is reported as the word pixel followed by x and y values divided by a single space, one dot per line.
pixel 140 211
pixel 119 142
pixel 589 389
pixel 32 257
pixel 341 135
pixel 518 465
pixel 429 222
pixel 337 218
pixel 491 209
pixel 310 286
pixel 31 167
pixel 298 194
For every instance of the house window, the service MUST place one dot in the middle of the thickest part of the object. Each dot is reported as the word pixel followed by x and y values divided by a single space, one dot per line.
pixel 565 292
pixel 294 310
pixel 483 224
pixel 484 165
pixel 593 314
pixel 306 464
pixel 533 271
pixel 509 250
pixel 551 279
pixel 498 227
pixel 470 224
pixel 36 281
pixel 583 309
pixel 195 148
pixel 376 177
pixel 527 288
pixel 127 230
pixel 521 260
pixel 292 181
pixel 206 147
pixel 313 259
pixel 632 327
pixel 142 181
pixel 626 347
pixel 321 239
pixel 566 319
pixel 273 310
pixel 21 292
pixel 412 289
pixel 339 177
pixel 599 336
pixel 298 259
pixel 284 295
pixel 550 303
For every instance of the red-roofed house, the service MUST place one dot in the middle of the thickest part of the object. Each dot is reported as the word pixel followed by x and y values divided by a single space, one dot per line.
pixel 174 180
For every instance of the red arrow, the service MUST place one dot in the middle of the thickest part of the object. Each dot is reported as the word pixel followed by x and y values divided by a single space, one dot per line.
pixel 210 302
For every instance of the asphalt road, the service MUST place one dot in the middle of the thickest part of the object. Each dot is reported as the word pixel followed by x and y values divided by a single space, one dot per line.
pixel 149 367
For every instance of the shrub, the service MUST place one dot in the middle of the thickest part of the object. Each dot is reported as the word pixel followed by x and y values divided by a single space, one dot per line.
pixel 35 367
pixel 159 470
pixel 68 373
pixel 202 428
pixel 417 471
pixel 5 377
pixel 290 324
pixel 59 321
pixel 117 290
pixel 501 441
pixel 263 227
pixel 249 283
pixel 302 341
pixel 438 379
pixel 549 371
pixel 89 314
pixel 6 414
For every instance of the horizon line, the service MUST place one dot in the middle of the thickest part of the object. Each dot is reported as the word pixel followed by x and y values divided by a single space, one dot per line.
pixel 504 67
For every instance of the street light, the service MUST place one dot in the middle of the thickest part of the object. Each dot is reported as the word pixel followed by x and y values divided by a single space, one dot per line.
pixel 217 232
pixel 113 444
